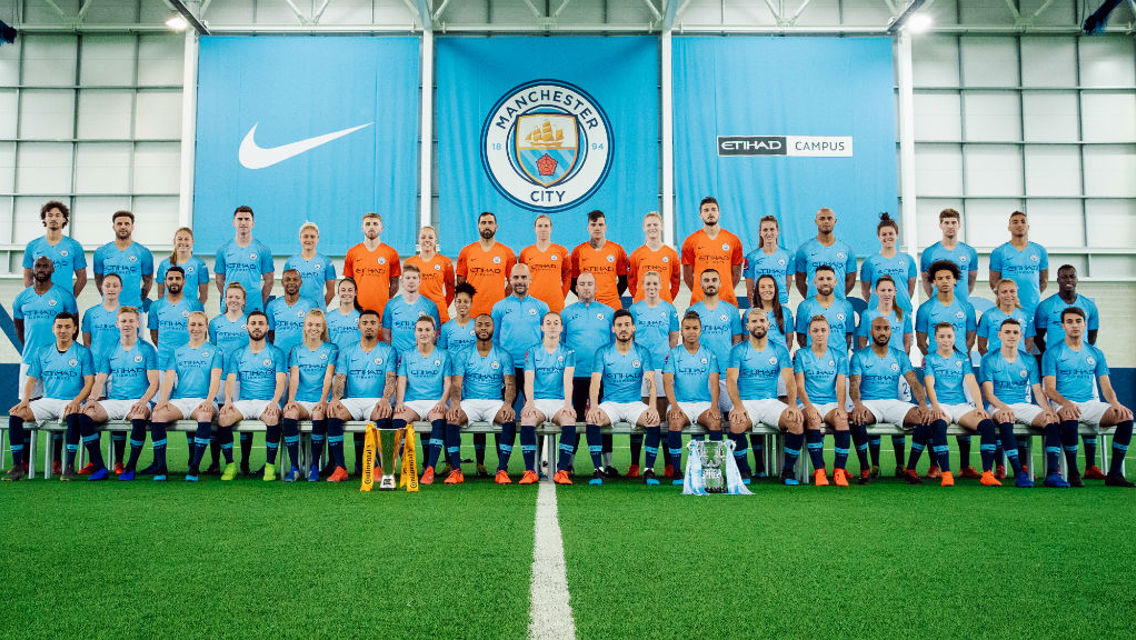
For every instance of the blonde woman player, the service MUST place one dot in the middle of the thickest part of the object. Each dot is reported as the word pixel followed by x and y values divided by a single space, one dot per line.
pixel 311 367
pixel 317 273
pixel 437 272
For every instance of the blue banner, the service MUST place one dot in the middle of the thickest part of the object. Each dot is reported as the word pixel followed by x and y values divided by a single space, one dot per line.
pixel 785 126
pixel 307 128
pixel 556 125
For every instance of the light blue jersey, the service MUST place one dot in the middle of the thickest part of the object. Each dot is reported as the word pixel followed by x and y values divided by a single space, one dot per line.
pixel 196 274
pixel 899 328
pixel 719 326
pixel 958 314
pixel 759 369
pixel 1022 267
pixel 256 371
pixel 840 315
pixel 653 328
pixel 311 368
pixel 776 334
pixel 343 329
pixel 483 377
pixel 950 376
pixel 67 256
pixel 103 327
pixel 879 377
pixel 245 265
pixel 821 372
pixel 900 267
pixel 1076 370
pixel 61 372
pixel 963 255
pixel 131 264
pixel 691 372
pixel 229 335
pixel 286 321
pixel 840 256
pixel 1012 381
pixel 548 370
pixel 400 317
pixel 314 276
pixel 622 373
pixel 780 265
pixel 991 321
pixel 454 337
pixel 366 371
pixel 425 374
pixel 1048 316
pixel 128 370
pixel 516 325
pixel 38 313
pixel 193 366
pixel 587 329
pixel 171 320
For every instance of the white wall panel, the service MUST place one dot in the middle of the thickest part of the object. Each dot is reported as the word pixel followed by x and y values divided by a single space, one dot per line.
pixel 7 169
pixel 160 59
pixel 1110 171
pixel 938 170
pixel 47 113
pixel 1053 171
pixel 992 116
pixel 1108 117
pixel 989 62
pixel 107 60
pixel 1111 223
pixel 26 222
pixel 10 65
pixel 161 216
pixel 104 114
pixel 1049 116
pixel 1049 62
pixel 158 115
pixel 91 217
pixel 9 108
pixel 102 167
pixel 993 170
pixel 49 60
pixel 156 167
pixel 45 167
pixel 937 116
pixel 1056 223
pixel 934 61
pixel 987 221
pixel 1108 62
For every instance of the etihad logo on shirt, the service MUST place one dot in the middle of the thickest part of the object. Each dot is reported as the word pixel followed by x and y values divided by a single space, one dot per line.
pixel 486 271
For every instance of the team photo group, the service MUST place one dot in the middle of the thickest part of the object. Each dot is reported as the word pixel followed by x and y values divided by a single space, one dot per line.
pixel 583 337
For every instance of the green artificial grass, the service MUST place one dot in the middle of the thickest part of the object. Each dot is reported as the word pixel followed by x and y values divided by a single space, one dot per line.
pixel 249 558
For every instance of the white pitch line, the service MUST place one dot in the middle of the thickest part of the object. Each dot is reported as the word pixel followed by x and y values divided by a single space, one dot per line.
pixel 551 614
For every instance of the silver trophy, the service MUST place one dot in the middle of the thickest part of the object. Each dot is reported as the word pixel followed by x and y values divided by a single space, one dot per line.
pixel 387 453
pixel 713 457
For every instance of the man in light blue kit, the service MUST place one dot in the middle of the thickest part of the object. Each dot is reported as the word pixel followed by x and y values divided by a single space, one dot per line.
pixel 824 302
pixel 65 252
pixel 825 249
pixel 516 329
pixel 721 328
pixel 245 260
pixel 587 329
pixel 286 314
pixel 169 315
pixel 483 377
pixel 951 248
pixel 1022 261
pixel 691 382
pixel 404 310
pixel 129 259
pixel 257 377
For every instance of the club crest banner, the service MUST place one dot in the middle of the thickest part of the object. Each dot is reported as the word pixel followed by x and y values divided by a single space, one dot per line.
pixel 785 126
pixel 554 125
pixel 307 128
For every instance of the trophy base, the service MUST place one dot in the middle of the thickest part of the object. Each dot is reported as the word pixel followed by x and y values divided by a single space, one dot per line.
pixel 387 483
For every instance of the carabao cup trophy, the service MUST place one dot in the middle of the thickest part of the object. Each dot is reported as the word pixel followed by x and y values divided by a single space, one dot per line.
pixel 710 468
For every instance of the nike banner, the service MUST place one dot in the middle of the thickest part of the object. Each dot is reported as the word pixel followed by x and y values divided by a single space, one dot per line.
pixel 556 125
pixel 785 126
pixel 307 128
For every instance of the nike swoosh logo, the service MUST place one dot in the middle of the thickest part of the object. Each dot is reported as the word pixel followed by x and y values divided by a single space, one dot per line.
pixel 253 156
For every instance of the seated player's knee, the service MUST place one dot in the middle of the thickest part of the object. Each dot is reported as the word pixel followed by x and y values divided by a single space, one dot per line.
pixel 651 421
pixel 23 413
pixel 439 415
pixel 712 421
pixel 292 412
pixel 794 427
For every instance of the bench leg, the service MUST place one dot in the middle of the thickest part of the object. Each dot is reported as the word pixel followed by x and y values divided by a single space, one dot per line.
pixel 33 444
pixel 551 447
pixel 3 433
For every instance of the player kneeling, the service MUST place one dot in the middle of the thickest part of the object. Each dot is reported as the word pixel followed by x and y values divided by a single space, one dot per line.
pixel 423 391
pixel 132 368
pixel 690 380
pixel 260 372
pixel 363 383
pixel 875 372
pixel 549 368
pixel 756 365
pixel 950 386
pixel 822 375
pixel 621 369
pixel 1074 373
pixel 189 384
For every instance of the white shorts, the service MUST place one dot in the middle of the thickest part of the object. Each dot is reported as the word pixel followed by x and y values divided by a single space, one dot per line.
pixel 117 409
pixel 37 392
pixel 423 407
pixel 825 408
pixel 186 406
pixel 481 410
pixel 1091 411
pixel 767 411
pixel 658 385
pixel 1024 412
pixel 549 407
pixel 251 409
pixel 893 411
pixel 623 411
pixel 693 409
pixel 359 408
pixel 46 409
pixel 955 412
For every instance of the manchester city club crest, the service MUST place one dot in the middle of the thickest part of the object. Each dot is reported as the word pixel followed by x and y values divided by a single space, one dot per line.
pixel 546 145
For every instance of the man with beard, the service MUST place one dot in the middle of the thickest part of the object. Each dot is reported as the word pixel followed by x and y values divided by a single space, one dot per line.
pixel 374 266
pixel 605 260
pixel 486 264
pixel 712 247
pixel 825 249
pixel 260 371
pixel 169 315
pixel 246 260
pixel 690 380
pixel 837 310
pixel 129 259
pixel 483 377
pixel 286 315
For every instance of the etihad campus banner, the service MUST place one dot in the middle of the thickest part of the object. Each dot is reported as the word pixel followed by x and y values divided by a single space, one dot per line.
pixel 307 128
pixel 785 126
pixel 555 125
